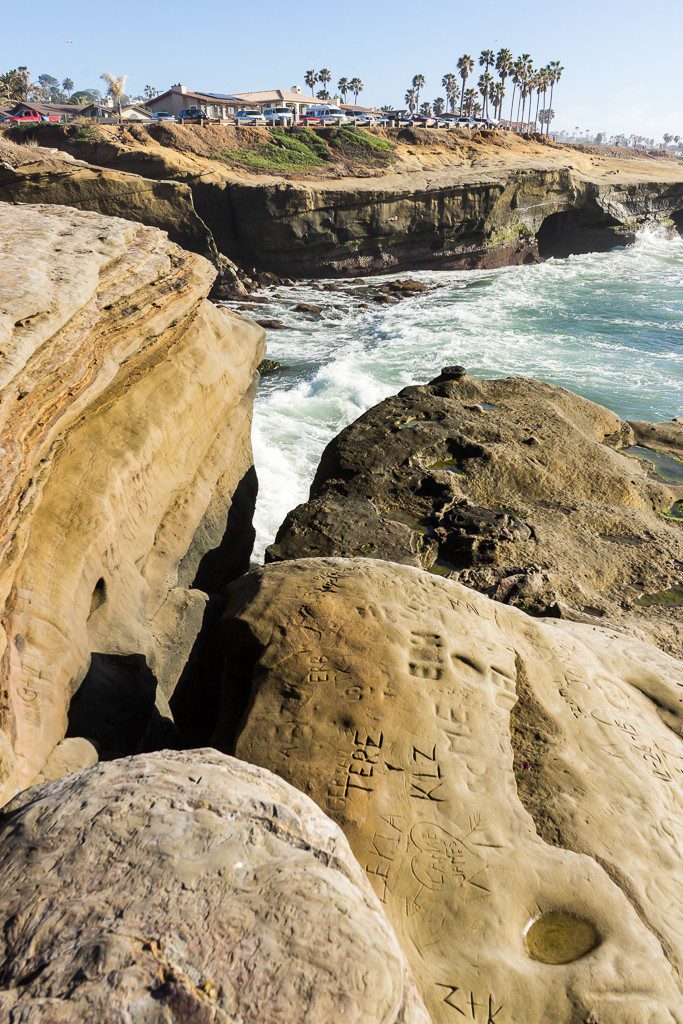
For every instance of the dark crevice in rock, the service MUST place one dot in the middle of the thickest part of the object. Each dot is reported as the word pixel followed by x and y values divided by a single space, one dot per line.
pixel 115 708
pixel 195 700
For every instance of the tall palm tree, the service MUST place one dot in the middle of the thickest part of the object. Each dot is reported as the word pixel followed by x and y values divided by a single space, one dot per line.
pixel 524 68
pixel 410 99
pixel 450 84
pixel 343 87
pixel 504 69
pixel 115 89
pixel 438 105
pixel 310 78
pixel 465 66
pixel 516 72
pixel 418 84
pixel 555 69
pixel 486 60
pixel 484 85
pixel 68 86
pixel 356 86
pixel 324 77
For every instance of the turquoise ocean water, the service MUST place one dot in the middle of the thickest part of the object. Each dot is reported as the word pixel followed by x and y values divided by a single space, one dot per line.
pixel 608 326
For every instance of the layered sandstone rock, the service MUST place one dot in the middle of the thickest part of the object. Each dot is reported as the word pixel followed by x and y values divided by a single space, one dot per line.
pixel 512 787
pixel 125 413
pixel 31 174
pixel 189 888
pixel 517 488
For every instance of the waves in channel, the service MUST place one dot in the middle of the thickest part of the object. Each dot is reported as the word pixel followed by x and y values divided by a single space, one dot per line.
pixel 608 326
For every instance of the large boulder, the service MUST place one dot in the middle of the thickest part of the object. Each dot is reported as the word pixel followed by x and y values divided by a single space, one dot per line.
pixel 515 487
pixel 513 787
pixel 125 418
pixel 194 889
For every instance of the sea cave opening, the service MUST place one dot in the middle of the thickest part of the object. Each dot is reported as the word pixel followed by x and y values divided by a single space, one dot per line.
pixel 574 232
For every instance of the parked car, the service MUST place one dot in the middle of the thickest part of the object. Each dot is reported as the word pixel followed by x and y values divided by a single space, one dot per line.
pixel 465 122
pixel 423 120
pixel 247 118
pixel 278 115
pixel 484 122
pixel 369 119
pixel 31 117
pixel 324 114
pixel 195 115
pixel 163 115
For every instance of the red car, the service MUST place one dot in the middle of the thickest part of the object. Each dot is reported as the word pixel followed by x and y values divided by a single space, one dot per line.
pixel 31 117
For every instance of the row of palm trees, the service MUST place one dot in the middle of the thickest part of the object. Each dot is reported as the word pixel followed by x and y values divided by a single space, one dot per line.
pixel 497 70
pixel 344 85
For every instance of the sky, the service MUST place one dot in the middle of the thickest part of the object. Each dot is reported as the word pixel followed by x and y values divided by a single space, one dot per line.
pixel 623 69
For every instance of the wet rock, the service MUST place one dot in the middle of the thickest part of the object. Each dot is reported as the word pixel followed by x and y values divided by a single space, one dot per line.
pixel 272 325
pixel 481 764
pixel 493 478
pixel 268 366
pixel 193 888
pixel 308 307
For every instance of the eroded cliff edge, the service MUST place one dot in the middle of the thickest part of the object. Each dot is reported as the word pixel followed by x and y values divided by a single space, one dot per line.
pixel 435 199
pixel 125 416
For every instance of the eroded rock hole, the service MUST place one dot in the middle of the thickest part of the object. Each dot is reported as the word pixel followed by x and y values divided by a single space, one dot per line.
pixel 99 595
pixel 115 708
pixel 677 218
pixel 560 938
pixel 573 232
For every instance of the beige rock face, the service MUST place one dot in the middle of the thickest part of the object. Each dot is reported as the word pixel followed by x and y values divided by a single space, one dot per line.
pixel 512 786
pixel 189 888
pixel 125 411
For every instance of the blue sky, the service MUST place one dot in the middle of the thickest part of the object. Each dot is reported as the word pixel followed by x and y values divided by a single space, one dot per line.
pixel 622 60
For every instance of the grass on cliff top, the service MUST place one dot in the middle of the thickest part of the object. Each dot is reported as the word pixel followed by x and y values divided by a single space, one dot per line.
pixel 304 149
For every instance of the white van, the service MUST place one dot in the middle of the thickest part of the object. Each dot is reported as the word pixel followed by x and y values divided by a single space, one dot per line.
pixel 324 113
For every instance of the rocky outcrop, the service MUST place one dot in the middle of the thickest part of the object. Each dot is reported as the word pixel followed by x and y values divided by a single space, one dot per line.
pixel 189 888
pixel 125 415
pixel 31 174
pixel 512 787
pixel 441 221
pixel 517 488
pixel 447 201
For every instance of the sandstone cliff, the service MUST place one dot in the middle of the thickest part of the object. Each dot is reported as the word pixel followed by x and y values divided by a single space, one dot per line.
pixel 513 788
pixel 518 488
pixel 125 413
pixel 189 888
pixel 438 200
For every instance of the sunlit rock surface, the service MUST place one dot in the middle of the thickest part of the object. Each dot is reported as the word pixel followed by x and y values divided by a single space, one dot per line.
pixel 125 414
pixel 512 787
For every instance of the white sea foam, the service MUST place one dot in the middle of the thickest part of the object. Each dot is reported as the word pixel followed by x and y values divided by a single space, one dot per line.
pixel 607 325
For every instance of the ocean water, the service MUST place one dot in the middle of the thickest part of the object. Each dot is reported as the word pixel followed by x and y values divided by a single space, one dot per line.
pixel 608 326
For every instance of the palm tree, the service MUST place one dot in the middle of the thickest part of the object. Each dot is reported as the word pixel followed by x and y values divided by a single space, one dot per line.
pixel 516 72
pixel 484 85
pixel 469 98
pixel 504 68
pixel 555 69
pixel 343 87
pixel 410 99
pixel 438 105
pixel 486 59
pixel 68 86
pixel 324 76
pixel 450 84
pixel 524 70
pixel 465 66
pixel 356 87
pixel 418 83
pixel 115 90
pixel 310 78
